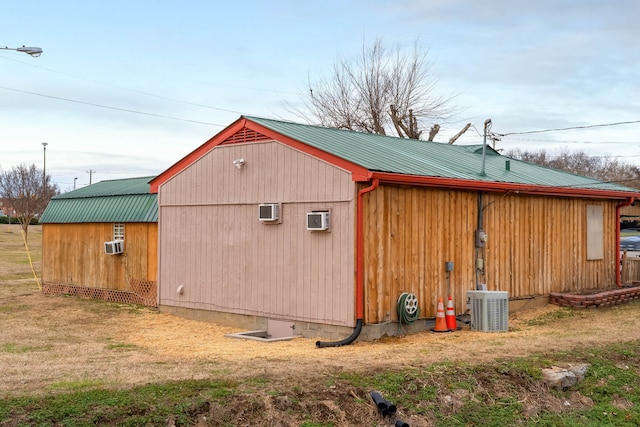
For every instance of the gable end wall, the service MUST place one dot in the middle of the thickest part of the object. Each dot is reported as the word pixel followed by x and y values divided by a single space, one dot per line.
pixel 214 248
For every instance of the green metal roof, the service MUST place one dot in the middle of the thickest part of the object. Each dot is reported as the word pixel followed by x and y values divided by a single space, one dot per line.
pixel 120 200
pixel 113 187
pixel 380 153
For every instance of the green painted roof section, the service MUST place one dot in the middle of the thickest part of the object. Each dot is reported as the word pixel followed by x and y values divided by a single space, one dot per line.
pixel 380 153
pixel 119 200
pixel 113 187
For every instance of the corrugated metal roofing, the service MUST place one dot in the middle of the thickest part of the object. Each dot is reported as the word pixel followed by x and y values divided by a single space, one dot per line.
pixel 112 187
pixel 122 200
pixel 380 153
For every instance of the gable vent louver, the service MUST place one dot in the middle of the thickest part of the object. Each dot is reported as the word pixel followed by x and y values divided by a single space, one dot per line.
pixel 245 135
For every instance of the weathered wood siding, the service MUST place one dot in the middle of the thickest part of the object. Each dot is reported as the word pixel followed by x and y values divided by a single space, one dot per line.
pixel 630 269
pixel 226 260
pixel 141 246
pixel 536 245
pixel 73 254
pixel 539 245
pixel 410 232
pixel 632 211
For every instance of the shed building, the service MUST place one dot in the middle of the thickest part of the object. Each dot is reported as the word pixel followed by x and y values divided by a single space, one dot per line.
pixel 327 228
pixel 100 242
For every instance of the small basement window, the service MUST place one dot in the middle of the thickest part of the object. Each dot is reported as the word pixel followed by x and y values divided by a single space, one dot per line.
pixel 118 231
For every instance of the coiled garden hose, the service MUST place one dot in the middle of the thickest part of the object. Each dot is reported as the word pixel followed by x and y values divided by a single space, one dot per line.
pixel 407 307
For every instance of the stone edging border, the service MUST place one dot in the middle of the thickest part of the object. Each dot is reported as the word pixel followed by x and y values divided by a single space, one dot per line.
pixel 602 299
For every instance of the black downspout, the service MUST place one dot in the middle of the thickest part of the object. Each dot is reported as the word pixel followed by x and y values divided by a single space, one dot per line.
pixel 359 271
pixel 351 338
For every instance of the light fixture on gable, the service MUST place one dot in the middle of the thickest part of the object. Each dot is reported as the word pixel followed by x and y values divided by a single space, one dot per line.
pixel 239 163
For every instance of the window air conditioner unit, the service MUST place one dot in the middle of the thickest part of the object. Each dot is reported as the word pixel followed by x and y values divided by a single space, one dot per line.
pixel 317 221
pixel 269 212
pixel 489 310
pixel 114 247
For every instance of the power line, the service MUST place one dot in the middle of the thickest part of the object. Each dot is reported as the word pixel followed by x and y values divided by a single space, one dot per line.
pixel 569 128
pixel 152 94
pixel 110 108
pixel 564 141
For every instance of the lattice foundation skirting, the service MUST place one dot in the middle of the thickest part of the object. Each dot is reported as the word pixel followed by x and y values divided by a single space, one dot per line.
pixel 142 292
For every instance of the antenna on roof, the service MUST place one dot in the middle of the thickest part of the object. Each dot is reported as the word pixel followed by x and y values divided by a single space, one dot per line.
pixel 487 126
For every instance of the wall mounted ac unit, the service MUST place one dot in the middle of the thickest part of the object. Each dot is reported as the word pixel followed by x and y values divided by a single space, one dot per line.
pixel 269 212
pixel 318 221
pixel 489 310
pixel 114 247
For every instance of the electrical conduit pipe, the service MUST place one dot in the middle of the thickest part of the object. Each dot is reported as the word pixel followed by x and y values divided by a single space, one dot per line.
pixel 618 208
pixel 359 271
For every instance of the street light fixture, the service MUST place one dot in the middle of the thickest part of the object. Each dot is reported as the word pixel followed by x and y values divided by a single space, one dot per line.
pixel 32 50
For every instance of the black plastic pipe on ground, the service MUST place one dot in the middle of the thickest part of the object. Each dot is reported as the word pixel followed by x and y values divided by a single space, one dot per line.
pixel 400 423
pixel 381 404
pixel 346 341
pixel 391 407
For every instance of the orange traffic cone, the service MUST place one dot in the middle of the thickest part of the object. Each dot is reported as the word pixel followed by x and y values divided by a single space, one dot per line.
pixel 441 322
pixel 450 315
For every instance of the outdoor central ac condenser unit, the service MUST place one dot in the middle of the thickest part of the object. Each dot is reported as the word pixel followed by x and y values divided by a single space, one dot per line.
pixel 489 310
pixel 114 247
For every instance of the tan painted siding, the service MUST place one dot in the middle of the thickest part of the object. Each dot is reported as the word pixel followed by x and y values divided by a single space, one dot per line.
pixel 536 245
pixel 272 172
pixel 73 254
pixel 226 260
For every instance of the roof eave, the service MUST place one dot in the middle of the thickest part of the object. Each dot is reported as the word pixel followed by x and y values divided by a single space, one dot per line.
pixel 505 187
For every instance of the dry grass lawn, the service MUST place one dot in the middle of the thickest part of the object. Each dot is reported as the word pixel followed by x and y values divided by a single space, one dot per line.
pixel 58 343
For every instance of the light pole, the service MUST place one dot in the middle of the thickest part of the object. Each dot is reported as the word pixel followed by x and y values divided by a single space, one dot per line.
pixel 33 51
pixel 44 168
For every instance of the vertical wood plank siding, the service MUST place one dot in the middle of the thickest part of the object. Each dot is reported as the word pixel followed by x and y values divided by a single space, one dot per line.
pixel 226 260
pixel 410 233
pixel 536 245
pixel 75 255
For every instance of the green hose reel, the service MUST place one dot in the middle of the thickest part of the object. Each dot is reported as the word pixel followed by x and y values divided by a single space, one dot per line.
pixel 407 307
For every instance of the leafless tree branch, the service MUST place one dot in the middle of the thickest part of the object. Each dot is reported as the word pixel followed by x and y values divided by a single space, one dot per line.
pixel 381 91
pixel 27 191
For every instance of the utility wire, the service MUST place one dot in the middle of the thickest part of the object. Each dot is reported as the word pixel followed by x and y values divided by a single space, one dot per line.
pixel 569 128
pixel 152 94
pixel 110 107
pixel 564 141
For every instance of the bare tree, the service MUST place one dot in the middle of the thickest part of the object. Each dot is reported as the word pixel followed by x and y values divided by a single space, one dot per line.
pixel 579 162
pixel 382 91
pixel 28 191
pixel 455 137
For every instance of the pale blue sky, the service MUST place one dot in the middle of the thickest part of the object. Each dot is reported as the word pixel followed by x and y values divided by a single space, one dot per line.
pixel 526 65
